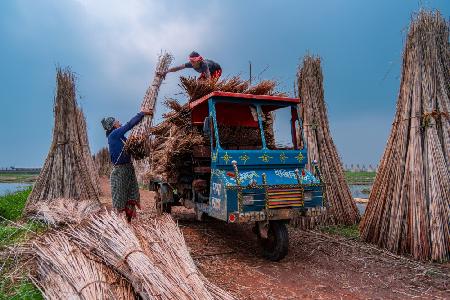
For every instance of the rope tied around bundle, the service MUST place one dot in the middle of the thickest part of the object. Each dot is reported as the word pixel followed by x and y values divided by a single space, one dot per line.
pixel 429 116
pixel 425 117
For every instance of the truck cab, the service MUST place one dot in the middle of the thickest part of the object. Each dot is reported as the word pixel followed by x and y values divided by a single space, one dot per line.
pixel 252 167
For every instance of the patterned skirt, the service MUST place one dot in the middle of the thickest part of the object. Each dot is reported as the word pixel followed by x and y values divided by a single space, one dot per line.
pixel 125 189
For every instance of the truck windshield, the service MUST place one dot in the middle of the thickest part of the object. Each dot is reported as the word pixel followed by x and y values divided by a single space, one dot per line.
pixel 281 127
pixel 238 127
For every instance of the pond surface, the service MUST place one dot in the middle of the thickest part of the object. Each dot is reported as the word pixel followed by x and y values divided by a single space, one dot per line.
pixel 9 187
pixel 357 192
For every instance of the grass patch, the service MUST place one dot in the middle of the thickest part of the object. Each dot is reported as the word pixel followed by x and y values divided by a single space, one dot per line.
pixel 360 177
pixel 12 204
pixel 9 176
pixel 348 231
pixel 13 232
pixel 23 289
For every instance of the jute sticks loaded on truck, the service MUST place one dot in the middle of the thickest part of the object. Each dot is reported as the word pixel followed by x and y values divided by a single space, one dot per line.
pixel 321 148
pixel 174 139
pixel 409 206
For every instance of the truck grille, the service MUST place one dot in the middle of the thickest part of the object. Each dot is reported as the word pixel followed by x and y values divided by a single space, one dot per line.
pixel 279 198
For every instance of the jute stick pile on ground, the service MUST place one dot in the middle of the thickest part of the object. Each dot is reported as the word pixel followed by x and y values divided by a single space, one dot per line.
pixel 409 206
pixel 341 207
pixel 67 171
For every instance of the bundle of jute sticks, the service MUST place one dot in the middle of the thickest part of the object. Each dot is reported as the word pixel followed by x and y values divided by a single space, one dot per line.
pixel 341 208
pixel 174 139
pixel 409 206
pixel 102 161
pixel 102 256
pixel 152 256
pixel 68 170
pixel 83 137
pixel 137 143
pixel 63 211
pixel 65 272
pixel 196 89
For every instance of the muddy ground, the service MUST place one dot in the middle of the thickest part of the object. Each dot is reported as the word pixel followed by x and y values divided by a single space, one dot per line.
pixel 318 266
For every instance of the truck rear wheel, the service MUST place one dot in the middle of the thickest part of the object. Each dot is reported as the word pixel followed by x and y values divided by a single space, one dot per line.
pixel 275 246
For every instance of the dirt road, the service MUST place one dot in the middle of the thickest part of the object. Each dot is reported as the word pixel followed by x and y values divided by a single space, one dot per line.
pixel 318 266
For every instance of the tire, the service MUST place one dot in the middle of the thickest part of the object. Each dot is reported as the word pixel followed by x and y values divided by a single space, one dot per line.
pixel 276 246
pixel 158 201
pixel 167 207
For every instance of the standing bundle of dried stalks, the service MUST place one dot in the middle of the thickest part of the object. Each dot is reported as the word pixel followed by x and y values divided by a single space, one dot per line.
pixel 341 207
pixel 163 241
pixel 153 276
pixel 83 137
pixel 409 206
pixel 137 142
pixel 64 272
pixel 65 174
pixel 102 161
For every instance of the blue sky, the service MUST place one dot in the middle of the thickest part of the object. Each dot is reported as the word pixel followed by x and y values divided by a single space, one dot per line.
pixel 112 45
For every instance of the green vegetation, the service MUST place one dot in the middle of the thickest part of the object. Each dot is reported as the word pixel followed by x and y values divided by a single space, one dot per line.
pixel 348 231
pixel 13 231
pixel 360 177
pixel 12 204
pixel 18 176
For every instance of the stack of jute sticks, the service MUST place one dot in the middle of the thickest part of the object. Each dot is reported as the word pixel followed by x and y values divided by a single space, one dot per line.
pixel 68 171
pixel 105 257
pixel 341 208
pixel 409 206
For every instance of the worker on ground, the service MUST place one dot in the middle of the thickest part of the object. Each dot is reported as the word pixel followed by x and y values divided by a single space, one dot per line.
pixel 124 186
pixel 207 68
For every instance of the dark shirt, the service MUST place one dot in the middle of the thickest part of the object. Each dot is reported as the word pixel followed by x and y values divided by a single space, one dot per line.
pixel 206 63
pixel 117 139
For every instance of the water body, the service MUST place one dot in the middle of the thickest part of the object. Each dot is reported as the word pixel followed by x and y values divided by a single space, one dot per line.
pixel 356 191
pixel 11 187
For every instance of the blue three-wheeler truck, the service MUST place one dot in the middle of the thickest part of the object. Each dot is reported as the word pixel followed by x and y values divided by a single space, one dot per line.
pixel 253 169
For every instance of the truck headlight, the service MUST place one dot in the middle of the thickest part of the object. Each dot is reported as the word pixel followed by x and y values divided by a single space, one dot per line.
pixel 307 196
pixel 248 200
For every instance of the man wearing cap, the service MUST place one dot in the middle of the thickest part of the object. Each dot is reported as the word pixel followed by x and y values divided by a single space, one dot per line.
pixel 124 185
pixel 207 68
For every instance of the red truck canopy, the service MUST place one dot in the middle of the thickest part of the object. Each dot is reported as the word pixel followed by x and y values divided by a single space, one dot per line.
pixel 232 113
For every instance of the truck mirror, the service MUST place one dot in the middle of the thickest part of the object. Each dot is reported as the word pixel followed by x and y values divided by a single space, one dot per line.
pixel 206 127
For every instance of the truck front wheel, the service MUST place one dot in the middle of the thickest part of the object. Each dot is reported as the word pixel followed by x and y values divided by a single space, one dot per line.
pixel 275 246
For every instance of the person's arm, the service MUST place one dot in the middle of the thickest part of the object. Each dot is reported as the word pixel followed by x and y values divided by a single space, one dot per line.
pixel 130 124
pixel 175 69
pixel 178 68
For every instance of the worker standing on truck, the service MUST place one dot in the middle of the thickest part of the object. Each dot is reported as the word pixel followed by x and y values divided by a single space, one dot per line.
pixel 209 69
pixel 124 185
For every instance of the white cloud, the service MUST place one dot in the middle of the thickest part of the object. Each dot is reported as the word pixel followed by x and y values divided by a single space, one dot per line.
pixel 120 31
